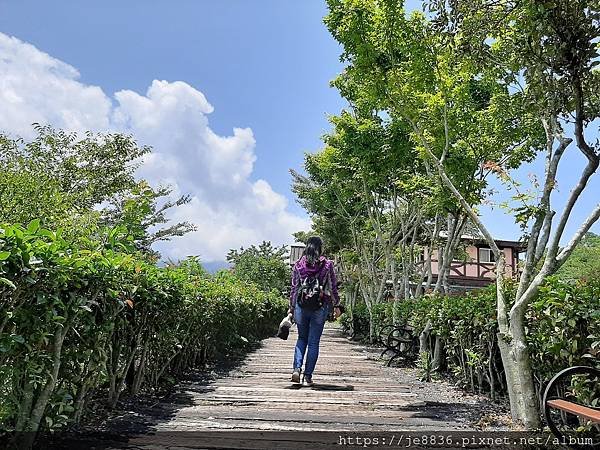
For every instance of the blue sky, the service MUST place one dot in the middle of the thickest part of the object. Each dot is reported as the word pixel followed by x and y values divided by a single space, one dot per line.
pixel 261 66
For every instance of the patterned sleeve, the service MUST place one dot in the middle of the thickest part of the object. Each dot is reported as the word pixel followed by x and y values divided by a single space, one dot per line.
pixel 334 290
pixel 294 289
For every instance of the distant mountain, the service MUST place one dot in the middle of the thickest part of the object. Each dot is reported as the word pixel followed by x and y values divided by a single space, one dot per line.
pixel 214 266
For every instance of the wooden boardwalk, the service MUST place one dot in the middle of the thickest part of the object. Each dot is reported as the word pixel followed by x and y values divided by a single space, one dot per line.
pixel 352 391
pixel 255 406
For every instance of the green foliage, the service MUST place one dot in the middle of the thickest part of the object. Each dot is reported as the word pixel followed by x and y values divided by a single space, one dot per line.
pixel 82 185
pixel 302 236
pixel 75 321
pixel 480 87
pixel 265 266
pixel 59 177
pixel 563 329
pixel 403 68
pixel 584 262
pixel 138 210
pixel 550 47
pixel 564 326
pixel 546 56
pixel 358 319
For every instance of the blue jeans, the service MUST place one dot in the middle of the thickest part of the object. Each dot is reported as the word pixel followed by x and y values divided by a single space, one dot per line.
pixel 310 327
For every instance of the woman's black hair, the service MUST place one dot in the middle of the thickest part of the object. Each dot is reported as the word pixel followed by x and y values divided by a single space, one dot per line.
pixel 313 249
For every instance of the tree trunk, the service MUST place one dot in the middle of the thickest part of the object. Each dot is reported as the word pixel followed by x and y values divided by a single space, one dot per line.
pixel 395 289
pixel 139 373
pixel 165 366
pixel 120 380
pixel 424 338
pixel 80 402
pixel 524 407
pixel 26 439
pixel 25 406
pixel 117 376
pixel 40 405
pixel 519 379
pixel 490 369
pixel 438 355
pixel 350 309
pixel 371 327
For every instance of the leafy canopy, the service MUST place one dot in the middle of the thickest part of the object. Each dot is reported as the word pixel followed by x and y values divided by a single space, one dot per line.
pixel 265 266
pixel 407 70
pixel 584 262
pixel 83 184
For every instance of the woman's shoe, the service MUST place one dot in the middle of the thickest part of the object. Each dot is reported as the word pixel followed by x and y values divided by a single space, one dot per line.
pixel 296 376
pixel 308 380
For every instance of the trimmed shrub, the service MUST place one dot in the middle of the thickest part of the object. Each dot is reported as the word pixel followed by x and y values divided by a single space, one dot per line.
pixel 80 321
pixel 563 330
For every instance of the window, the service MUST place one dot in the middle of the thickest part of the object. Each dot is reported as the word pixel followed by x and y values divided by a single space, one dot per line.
pixel 486 255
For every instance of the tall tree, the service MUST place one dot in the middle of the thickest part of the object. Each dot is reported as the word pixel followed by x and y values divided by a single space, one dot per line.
pixel 367 190
pixel 59 177
pixel 80 184
pixel 544 53
pixel 401 66
pixel 142 211
pixel 486 86
pixel 409 73
pixel 264 265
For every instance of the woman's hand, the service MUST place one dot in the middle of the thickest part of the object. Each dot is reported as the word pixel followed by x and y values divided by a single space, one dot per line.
pixel 337 312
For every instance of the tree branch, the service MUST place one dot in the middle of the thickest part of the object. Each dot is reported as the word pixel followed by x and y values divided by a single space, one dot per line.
pixel 468 209
pixel 585 227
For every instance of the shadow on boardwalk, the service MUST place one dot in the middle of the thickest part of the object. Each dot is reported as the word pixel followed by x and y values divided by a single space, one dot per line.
pixel 353 391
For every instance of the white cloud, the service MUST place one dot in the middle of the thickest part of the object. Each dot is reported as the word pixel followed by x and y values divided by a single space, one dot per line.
pixel 34 87
pixel 229 208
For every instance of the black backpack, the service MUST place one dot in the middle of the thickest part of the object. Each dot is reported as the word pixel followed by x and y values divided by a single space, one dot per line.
pixel 311 293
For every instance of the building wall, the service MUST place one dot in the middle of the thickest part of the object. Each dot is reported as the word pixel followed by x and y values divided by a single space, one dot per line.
pixel 472 269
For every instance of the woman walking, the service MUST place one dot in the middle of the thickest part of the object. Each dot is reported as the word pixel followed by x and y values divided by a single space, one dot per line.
pixel 313 296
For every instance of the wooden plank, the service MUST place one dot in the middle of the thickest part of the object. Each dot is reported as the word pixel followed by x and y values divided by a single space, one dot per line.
pixel 303 401
pixel 282 410
pixel 314 408
pixel 286 425
pixel 284 387
pixel 578 410
pixel 284 392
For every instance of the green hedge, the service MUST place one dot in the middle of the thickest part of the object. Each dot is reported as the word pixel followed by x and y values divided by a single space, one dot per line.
pixel 564 327
pixel 77 322
pixel 357 322
pixel 563 330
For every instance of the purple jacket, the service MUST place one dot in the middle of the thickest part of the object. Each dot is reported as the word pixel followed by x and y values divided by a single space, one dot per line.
pixel 323 269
